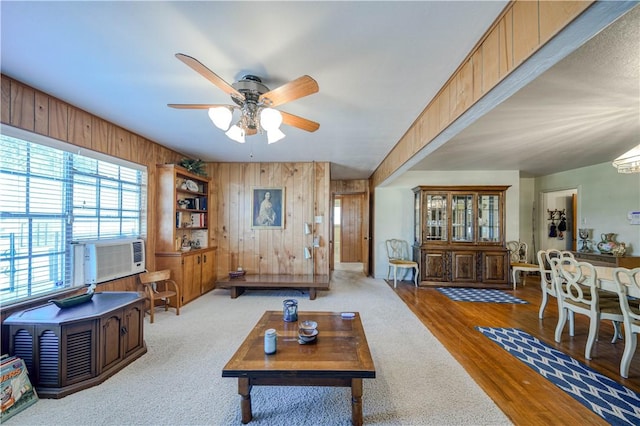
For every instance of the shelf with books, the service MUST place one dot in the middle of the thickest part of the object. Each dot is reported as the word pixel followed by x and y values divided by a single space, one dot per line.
pixel 183 209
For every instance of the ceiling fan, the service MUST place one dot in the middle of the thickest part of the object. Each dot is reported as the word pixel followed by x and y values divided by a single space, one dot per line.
pixel 256 103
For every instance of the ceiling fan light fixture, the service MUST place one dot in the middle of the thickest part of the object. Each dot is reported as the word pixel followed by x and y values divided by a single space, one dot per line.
pixel 236 133
pixel 274 135
pixel 270 119
pixel 629 162
pixel 221 117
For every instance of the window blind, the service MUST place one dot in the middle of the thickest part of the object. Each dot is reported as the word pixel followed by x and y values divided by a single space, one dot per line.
pixel 52 197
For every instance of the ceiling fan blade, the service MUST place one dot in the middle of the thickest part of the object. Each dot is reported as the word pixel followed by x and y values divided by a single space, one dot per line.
pixel 198 106
pixel 296 89
pixel 198 67
pixel 299 122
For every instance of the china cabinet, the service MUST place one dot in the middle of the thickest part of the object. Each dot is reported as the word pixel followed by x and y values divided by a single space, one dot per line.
pixel 182 230
pixel 459 236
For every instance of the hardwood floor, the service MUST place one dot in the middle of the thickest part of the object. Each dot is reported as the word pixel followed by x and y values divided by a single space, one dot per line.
pixel 526 397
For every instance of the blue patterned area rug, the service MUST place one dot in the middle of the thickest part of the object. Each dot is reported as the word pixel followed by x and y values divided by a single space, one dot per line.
pixel 478 295
pixel 613 402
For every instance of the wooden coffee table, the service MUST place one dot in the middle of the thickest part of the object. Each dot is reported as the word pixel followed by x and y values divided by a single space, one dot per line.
pixel 339 357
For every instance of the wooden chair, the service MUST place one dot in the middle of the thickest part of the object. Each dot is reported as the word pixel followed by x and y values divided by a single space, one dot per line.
pixel 624 277
pixel 159 286
pixel 398 255
pixel 578 290
pixel 518 257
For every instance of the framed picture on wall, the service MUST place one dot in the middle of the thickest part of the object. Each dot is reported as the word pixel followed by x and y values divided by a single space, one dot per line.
pixel 268 208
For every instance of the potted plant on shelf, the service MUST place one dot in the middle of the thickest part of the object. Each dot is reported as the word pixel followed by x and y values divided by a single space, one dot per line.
pixel 193 166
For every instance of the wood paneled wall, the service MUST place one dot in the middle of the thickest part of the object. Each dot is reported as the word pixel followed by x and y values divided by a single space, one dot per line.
pixel 522 28
pixel 349 186
pixel 271 251
pixel 29 109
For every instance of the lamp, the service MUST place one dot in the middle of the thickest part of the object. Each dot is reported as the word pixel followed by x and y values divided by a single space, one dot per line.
pixel 236 133
pixel 221 117
pixel 270 120
pixel 629 162
pixel 254 118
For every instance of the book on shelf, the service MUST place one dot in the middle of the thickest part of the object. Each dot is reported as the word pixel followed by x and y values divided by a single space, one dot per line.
pixel 197 220
pixel 17 391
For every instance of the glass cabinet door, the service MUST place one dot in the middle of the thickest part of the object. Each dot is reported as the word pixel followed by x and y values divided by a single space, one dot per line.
pixel 462 222
pixel 436 218
pixel 489 218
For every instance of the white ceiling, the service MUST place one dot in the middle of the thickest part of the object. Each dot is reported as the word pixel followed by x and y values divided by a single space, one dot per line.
pixel 378 64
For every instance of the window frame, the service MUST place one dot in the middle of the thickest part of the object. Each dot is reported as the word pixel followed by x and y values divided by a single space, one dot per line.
pixel 118 215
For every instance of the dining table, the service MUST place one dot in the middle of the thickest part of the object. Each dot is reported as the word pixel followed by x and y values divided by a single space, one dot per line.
pixel 605 277
pixel 607 282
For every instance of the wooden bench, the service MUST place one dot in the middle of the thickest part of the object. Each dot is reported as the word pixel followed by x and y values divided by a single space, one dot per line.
pixel 312 283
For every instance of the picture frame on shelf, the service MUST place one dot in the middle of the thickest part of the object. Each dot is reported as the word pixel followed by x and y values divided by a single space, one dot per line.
pixel 267 208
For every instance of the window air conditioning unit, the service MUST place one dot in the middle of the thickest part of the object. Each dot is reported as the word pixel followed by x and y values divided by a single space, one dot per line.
pixel 99 261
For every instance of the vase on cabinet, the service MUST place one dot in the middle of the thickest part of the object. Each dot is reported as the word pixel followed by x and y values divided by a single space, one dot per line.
pixel 607 244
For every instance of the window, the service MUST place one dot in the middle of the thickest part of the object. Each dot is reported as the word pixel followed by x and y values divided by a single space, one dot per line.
pixel 52 196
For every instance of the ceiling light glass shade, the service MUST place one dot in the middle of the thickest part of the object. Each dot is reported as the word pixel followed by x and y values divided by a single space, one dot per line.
pixel 221 117
pixel 629 162
pixel 270 119
pixel 236 133
pixel 274 135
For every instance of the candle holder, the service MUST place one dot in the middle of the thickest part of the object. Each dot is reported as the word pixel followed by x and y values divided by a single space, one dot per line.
pixel 584 237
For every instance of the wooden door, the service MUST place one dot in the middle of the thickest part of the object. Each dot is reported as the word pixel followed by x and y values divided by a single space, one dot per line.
pixel 351 232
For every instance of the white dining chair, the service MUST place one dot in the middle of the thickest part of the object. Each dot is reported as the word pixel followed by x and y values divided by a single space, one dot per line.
pixel 546 280
pixel 623 278
pixel 578 291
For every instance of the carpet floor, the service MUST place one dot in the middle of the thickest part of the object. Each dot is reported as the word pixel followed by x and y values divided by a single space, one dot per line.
pixel 613 402
pixel 179 382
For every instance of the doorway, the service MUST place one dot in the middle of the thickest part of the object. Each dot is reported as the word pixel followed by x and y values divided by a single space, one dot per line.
pixel 348 232
pixel 553 233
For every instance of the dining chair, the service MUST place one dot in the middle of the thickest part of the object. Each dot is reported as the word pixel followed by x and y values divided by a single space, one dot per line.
pixel 518 257
pixel 578 290
pixel 546 280
pixel 158 285
pixel 399 257
pixel 623 278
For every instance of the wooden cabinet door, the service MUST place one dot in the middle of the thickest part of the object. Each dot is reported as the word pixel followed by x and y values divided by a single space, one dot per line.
pixel 434 265
pixel 77 357
pixel 463 266
pixel 190 277
pixel 495 267
pixel 110 348
pixel 132 333
pixel 208 268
